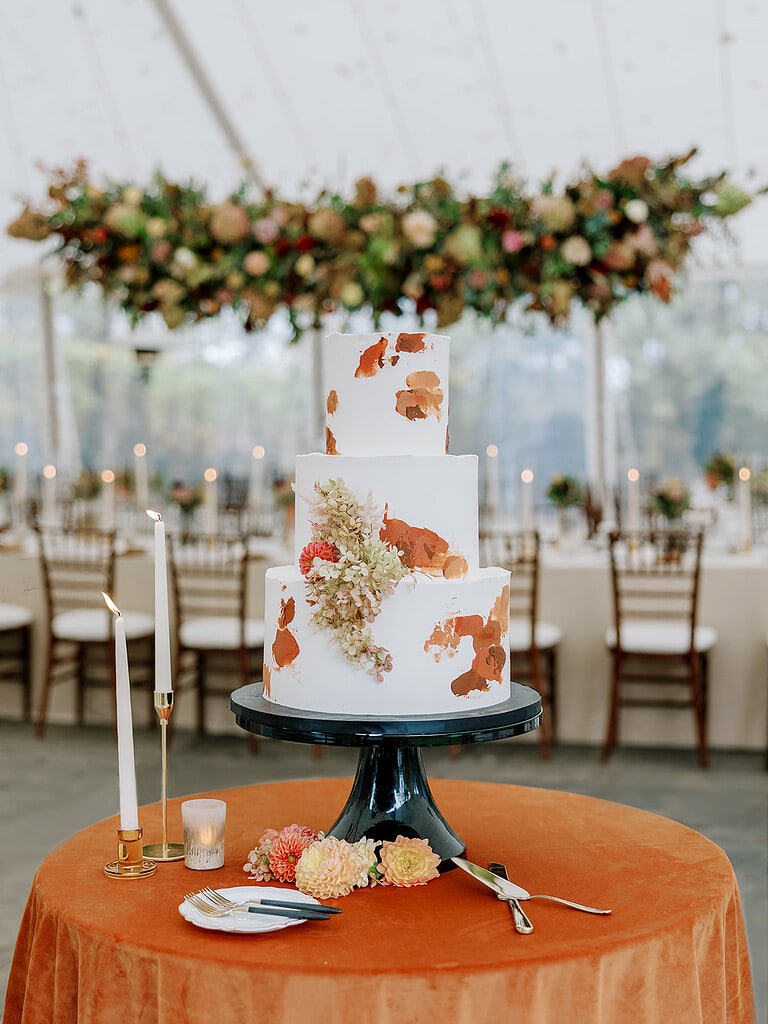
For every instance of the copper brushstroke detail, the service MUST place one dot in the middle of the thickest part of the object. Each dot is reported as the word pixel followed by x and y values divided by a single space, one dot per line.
pixel 266 680
pixel 423 549
pixel 332 402
pixel 374 359
pixel 410 343
pixel 489 655
pixel 422 398
pixel 285 648
pixel 330 442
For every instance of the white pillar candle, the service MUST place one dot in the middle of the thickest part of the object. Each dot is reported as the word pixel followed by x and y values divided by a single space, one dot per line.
pixel 492 479
pixel 141 473
pixel 49 496
pixel 163 677
pixel 211 502
pixel 526 500
pixel 633 501
pixel 107 500
pixel 256 488
pixel 20 475
pixel 126 767
pixel 745 507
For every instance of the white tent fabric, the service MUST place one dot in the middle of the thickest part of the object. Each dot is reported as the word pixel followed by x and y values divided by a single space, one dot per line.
pixel 315 95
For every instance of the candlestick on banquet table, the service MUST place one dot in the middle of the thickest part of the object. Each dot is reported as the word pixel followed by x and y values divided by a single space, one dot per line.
pixel 526 501
pixel 210 505
pixel 20 483
pixel 633 501
pixel 256 488
pixel 745 507
pixel 492 480
pixel 141 473
pixel 49 496
pixel 130 862
pixel 108 500
pixel 163 697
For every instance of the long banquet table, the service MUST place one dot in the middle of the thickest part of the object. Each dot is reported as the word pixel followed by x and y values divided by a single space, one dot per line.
pixel 94 950
pixel 574 593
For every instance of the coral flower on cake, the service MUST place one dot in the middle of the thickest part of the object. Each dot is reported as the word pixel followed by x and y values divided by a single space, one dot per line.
pixel 408 861
pixel 316 549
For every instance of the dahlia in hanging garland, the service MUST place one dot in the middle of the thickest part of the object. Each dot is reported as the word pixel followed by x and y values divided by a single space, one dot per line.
pixel 348 571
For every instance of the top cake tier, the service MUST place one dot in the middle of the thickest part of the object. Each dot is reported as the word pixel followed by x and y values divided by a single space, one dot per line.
pixel 386 394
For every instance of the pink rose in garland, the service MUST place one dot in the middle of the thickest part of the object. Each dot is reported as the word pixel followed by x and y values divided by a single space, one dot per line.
pixel 407 861
pixel 316 549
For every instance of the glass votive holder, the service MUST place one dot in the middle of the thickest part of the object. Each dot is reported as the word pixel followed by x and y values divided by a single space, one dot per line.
pixel 203 821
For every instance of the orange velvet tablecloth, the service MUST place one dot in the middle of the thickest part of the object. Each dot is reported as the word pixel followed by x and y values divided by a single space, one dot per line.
pixel 103 951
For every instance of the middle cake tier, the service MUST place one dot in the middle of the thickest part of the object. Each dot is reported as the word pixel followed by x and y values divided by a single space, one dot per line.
pixel 427 505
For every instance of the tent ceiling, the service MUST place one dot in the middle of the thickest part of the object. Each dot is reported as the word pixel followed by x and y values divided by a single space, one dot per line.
pixel 318 94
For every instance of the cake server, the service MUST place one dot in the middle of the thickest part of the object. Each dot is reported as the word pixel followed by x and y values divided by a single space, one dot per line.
pixel 523 923
pixel 509 890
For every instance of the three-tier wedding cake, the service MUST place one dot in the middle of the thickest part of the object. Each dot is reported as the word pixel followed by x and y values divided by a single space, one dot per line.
pixel 386 611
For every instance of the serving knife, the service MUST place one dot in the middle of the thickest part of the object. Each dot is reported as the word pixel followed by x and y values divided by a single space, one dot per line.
pixel 508 889
pixel 523 923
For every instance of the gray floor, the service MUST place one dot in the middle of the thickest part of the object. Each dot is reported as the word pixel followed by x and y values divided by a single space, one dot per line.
pixel 53 788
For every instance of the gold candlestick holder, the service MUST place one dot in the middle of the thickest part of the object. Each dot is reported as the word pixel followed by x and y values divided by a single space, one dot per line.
pixel 164 851
pixel 130 862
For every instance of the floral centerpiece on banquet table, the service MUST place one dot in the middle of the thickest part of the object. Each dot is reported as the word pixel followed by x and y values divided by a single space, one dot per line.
pixel 720 470
pixel 167 248
pixel 669 499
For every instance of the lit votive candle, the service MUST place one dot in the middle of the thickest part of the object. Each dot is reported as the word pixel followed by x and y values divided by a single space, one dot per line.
pixel 203 821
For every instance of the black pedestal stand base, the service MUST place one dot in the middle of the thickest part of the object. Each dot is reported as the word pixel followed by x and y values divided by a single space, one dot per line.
pixel 390 795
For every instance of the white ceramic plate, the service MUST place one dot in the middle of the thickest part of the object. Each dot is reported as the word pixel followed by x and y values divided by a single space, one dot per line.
pixel 244 922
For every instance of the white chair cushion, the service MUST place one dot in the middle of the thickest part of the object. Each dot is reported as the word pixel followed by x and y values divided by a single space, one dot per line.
pixel 659 637
pixel 548 635
pixel 93 626
pixel 220 633
pixel 12 616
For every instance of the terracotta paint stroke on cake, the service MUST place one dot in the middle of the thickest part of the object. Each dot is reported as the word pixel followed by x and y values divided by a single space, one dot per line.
pixel 266 680
pixel 332 402
pixel 423 548
pixel 423 397
pixel 372 360
pixel 330 443
pixel 410 343
pixel 489 655
pixel 285 648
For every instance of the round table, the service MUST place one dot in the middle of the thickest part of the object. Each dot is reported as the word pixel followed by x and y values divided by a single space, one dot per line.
pixel 99 951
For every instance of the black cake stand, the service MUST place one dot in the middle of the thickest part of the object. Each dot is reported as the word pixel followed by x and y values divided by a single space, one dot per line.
pixel 390 795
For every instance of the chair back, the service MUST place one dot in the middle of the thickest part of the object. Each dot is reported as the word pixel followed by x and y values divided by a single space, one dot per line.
pixel 209 577
pixel 77 568
pixel 517 551
pixel 655 578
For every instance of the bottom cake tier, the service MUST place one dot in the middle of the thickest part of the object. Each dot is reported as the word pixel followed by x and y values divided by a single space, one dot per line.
pixel 448 640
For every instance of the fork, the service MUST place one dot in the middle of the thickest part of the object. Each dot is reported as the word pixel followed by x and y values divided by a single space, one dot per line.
pixel 202 904
pixel 222 901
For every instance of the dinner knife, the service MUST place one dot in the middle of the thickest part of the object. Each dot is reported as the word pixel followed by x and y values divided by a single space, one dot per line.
pixel 523 923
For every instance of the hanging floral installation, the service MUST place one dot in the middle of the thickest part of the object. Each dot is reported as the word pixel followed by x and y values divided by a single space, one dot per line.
pixel 168 249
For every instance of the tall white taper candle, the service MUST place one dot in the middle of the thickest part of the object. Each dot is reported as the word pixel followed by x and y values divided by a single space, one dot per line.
pixel 126 767
pixel 163 677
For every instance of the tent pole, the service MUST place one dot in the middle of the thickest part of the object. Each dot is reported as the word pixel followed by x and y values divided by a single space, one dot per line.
pixel 196 70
